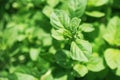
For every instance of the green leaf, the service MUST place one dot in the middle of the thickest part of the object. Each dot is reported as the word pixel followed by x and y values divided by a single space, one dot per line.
pixel 77 7
pixel 95 63
pixel 97 2
pixel 74 24
pixel 79 35
pixel 61 34
pixel 47 76
pixel 86 27
pixel 34 53
pixel 80 69
pixel 59 19
pixel 47 40
pixel 10 34
pixel 81 50
pixel 96 14
pixel 112 57
pixel 112 35
pixel 23 76
pixel 47 10
pixel 58 34
pixel 52 3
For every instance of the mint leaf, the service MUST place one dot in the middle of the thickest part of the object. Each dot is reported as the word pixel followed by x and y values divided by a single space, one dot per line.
pixel 112 57
pixel 96 14
pixel 10 34
pixel 80 69
pixel 47 10
pixel 74 24
pixel 52 3
pixel 95 63
pixel 112 35
pixel 81 50
pixel 97 2
pixel 59 19
pixel 34 53
pixel 86 27
pixel 77 7
pixel 58 34
pixel 23 76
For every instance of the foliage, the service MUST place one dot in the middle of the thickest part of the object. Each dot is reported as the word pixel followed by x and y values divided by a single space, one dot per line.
pixel 59 40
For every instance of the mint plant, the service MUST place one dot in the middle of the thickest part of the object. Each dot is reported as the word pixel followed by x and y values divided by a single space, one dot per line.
pixel 59 40
pixel 65 28
pixel 68 28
